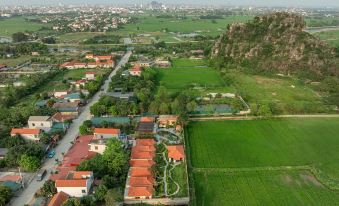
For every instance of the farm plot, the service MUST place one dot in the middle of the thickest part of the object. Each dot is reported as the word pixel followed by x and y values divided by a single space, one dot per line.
pixel 259 162
pixel 18 24
pixel 261 188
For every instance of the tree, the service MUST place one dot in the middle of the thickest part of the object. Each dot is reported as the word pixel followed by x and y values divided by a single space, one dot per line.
pixel 5 195
pixel 29 163
pixel 100 193
pixel 19 37
pixel 113 197
pixel 264 110
pixel 45 138
pixel 48 189
pixel 72 202
pixel 85 128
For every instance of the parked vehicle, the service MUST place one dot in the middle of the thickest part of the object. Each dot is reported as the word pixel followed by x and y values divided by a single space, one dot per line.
pixel 41 174
pixel 51 154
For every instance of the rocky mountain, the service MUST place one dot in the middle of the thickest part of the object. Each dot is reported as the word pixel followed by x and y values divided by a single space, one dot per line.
pixel 276 43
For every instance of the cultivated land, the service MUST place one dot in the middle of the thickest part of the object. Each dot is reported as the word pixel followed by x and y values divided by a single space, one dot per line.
pixel 15 61
pixel 18 24
pixel 185 73
pixel 239 156
pixel 331 37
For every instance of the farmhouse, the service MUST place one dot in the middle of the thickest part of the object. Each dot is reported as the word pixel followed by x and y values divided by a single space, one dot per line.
pixel 76 183
pixel 27 133
pixel 44 123
pixel 136 70
pixel 176 153
pixel 58 117
pixel 162 63
pixel 167 120
pixel 58 199
pixel 106 133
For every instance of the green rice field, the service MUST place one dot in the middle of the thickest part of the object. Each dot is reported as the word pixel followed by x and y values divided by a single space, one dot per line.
pixel 18 24
pixel 233 161
pixel 331 37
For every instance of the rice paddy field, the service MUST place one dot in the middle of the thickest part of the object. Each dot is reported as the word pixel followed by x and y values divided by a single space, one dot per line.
pixel 264 162
pixel 331 37
pixel 185 73
pixel 18 24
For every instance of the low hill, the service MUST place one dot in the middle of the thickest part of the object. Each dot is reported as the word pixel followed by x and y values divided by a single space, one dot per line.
pixel 276 43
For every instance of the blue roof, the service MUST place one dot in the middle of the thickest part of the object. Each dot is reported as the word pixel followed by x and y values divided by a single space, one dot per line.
pixel 73 96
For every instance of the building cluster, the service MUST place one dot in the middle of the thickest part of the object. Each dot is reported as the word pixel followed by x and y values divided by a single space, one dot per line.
pixel 94 62
pixel 144 63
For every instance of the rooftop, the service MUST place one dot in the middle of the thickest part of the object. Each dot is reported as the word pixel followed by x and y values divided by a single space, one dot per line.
pixel 24 131
pixel 141 163
pixel 140 172
pixel 145 142
pixel 140 191
pixel 176 152
pixel 106 131
pixel 141 181
pixel 38 118
pixel 58 199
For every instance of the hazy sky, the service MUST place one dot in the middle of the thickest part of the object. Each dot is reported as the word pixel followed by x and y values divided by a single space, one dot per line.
pixel 303 3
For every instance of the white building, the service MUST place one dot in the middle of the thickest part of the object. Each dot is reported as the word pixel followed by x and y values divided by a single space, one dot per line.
pixel 40 122
pixel 97 145
pixel 27 133
pixel 59 94
pixel 76 183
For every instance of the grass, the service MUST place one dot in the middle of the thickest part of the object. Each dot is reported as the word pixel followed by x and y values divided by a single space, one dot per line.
pixel 18 24
pixel 250 144
pixel 262 188
pixel 185 73
pixel 331 37
pixel 191 24
pixel 15 61
pixel 77 37
pixel 179 175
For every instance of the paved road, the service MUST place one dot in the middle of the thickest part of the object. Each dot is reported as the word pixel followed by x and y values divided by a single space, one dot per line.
pixel 65 144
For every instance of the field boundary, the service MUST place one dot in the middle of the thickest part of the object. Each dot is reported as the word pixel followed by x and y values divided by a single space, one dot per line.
pixel 217 118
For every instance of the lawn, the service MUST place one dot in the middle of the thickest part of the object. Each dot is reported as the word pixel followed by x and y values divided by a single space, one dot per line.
pixel 191 24
pixel 179 175
pixel 257 146
pixel 262 188
pixel 18 24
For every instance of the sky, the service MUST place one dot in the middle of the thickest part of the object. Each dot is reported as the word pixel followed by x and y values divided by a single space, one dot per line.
pixel 298 3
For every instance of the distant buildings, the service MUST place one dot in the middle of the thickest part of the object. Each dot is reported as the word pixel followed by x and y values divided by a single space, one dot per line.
pixel 100 62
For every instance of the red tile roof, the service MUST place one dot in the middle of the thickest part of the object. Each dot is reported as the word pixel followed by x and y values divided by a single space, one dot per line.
pixel 141 181
pixel 142 155
pixel 106 131
pixel 140 191
pixel 176 152
pixel 147 119
pixel 140 172
pixel 103 57
pixel 142 148
pixel 58 199
pixel 145 142
pixel 10 178
pixel 60 117
pixel 81 174
pixel 71 183
pixel 25 131
pixel 141 163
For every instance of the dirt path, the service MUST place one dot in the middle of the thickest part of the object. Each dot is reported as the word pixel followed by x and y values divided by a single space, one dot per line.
pixel 170 176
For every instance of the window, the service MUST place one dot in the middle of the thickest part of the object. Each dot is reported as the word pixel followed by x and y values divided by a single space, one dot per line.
pixel 33 124
pixel 102 136
pixel 96 147
pixel 83 191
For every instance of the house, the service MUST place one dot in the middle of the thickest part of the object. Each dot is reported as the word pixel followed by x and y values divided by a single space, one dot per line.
pixel 68 65
pixel 123 96
pixel 92 65
pixel 3 66
pixel 162 63
pixel 79 65
pixel 167 120
pixel 73 97
pixel 89 56
pixel 60 94
pixel 58 199
pixel 80 83
pixel 140 192
pixel 176 153
pixel 144 64
pixel 76 183
pixel 58 117
pixel 103 58
pixel 27 133
pixel 147 119
pixel 97 145
pixel 67 108
pixel 44 123
pixel 105 133
pixel 90 75
pixel 35 53
pixel 136 70
pixel 146 126
pixel 3 152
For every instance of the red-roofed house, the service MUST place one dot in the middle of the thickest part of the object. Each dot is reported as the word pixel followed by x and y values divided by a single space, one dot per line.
pixel 147 119
pixel 145 142
pixel 76 184
pixel 89 56
pixel 136 70
pixel 26 133
pixel 102 58
pixel 90 75
pixel 141 163
pixel 67 65
pixel 141 181
pixel 104 133
pixel 140 193
pixel 140 172
pixel 176 153
pixel 142 155
pixel 79 83
pixel 58 199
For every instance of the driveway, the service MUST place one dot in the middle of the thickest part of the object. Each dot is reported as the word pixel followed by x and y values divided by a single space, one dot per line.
pixel 65 144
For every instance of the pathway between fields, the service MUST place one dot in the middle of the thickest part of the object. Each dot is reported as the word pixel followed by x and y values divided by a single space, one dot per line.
pixel 261 117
